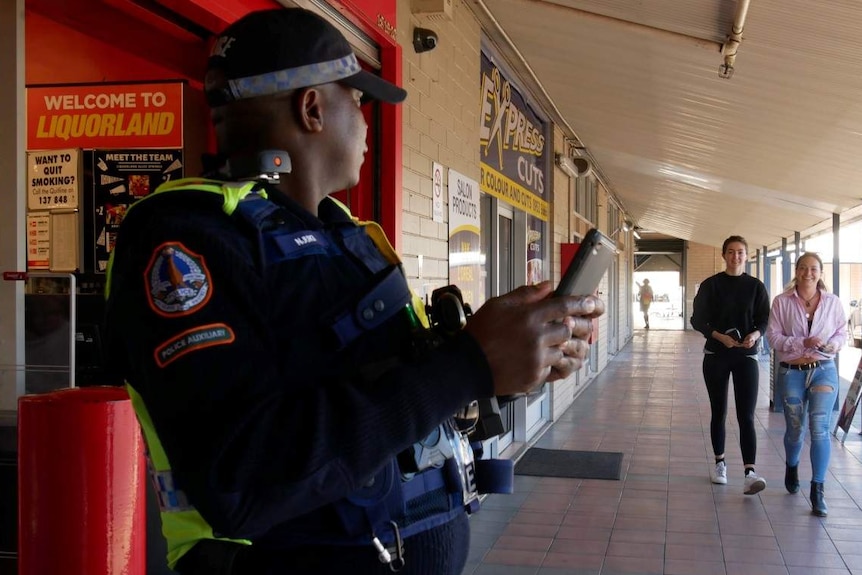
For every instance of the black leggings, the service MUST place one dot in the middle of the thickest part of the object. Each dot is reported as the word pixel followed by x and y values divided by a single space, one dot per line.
pixel 717 370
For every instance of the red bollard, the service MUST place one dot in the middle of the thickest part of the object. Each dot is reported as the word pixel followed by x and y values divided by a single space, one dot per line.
pixel 81 490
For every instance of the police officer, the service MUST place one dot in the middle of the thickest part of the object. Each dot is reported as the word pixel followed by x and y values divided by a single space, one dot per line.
pixel 295 420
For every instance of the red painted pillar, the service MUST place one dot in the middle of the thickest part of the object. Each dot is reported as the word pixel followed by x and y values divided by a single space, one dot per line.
pixel 81 473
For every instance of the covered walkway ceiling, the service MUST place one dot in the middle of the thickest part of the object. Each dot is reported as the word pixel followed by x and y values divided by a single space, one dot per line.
pixel 775 149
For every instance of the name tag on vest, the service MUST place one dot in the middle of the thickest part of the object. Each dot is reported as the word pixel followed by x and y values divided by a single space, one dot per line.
pixel 302 243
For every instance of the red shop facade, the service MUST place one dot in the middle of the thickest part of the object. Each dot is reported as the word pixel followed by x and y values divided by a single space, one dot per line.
pixel 74 49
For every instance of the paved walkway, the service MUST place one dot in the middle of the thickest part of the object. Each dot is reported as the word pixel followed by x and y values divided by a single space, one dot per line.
pixel 664 516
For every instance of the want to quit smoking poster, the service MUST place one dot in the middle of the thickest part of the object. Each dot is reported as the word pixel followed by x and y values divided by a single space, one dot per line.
pixel 120 178
pixel 53 179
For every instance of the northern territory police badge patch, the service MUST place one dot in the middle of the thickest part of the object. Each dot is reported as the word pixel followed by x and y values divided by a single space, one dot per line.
pixel 178 280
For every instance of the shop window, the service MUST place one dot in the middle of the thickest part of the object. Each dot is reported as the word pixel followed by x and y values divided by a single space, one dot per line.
pixel 613 218
pixel 592 201
pixel 581 196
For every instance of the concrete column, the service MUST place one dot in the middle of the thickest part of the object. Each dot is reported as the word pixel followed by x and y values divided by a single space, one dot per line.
pixel 797 247
pixel 836 251
pixel 12 199
pixel 758 261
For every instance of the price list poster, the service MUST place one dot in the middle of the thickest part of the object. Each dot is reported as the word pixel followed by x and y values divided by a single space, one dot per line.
pixel 121 178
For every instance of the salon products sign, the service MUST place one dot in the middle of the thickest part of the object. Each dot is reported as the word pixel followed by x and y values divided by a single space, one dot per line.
pixel 466 260
pixel 105 116
pixel 514 157
pixel 53 179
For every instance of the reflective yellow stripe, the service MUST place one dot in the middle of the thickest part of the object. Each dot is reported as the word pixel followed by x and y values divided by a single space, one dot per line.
pixel 182 527
pixel 232 192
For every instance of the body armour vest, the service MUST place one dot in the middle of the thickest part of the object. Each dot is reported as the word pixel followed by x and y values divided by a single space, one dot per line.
pixel 427 485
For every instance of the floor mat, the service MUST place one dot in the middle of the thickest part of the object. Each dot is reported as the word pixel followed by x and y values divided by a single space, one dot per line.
pixel 566 463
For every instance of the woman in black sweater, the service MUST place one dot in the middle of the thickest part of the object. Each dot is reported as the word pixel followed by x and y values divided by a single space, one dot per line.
pixel 731 310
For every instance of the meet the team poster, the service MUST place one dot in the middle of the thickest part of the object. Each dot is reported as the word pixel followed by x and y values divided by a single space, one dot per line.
pixel 121 178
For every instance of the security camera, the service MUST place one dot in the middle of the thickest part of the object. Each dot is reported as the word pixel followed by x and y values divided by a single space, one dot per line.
pixel 424 40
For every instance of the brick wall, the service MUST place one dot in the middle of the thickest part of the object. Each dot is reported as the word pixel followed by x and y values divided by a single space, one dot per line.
pixel 441 124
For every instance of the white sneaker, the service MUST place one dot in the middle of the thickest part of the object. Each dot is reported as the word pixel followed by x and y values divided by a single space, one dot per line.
pixel 754 484
pixel 719 474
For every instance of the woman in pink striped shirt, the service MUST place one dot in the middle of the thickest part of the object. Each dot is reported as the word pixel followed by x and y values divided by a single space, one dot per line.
pixel 807 326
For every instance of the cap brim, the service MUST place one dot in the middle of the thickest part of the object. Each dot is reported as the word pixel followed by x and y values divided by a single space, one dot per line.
pixel 375 88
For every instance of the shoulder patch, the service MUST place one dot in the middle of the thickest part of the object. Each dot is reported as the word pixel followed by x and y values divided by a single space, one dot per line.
pixel 192 340
pixel 178 281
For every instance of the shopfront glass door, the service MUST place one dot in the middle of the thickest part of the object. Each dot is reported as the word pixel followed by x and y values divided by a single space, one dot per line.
pixel 504 279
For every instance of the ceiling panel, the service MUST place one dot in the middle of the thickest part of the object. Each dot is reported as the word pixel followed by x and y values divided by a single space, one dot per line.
pixel 768 152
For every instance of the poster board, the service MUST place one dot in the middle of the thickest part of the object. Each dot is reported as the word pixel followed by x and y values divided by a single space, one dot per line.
pixel 65 233
pixel 121 178
pixel 466 261
pixel 54 184
pixel 851 402
pixel 38 241
pixel 54 179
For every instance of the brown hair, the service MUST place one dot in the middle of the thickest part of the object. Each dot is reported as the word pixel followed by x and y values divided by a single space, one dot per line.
pixel 809 255
pixel 732 239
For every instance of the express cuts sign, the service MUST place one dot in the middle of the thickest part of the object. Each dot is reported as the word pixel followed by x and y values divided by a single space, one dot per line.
pixel 105 116
pixel 514 156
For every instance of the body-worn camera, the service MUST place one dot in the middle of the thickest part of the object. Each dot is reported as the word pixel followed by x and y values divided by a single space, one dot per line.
pixel 265 167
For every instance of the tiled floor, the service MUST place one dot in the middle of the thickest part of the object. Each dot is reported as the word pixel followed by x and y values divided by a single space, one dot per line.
pixel 664 515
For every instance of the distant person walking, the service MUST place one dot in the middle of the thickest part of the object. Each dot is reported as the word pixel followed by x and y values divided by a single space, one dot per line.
pixel 645 295
pixel 731 310
pixel 806 329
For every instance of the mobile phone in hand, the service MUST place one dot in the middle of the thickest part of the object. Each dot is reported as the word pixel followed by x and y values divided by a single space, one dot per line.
pixel 734 333
pixel 588 266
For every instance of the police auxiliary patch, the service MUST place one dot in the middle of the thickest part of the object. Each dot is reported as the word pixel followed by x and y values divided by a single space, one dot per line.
pixel 178 280
pixel 193 340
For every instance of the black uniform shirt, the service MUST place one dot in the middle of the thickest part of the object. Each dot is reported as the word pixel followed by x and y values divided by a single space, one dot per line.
pixel 263 417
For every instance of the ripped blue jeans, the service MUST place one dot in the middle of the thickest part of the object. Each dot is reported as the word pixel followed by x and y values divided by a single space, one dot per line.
pixel 809 394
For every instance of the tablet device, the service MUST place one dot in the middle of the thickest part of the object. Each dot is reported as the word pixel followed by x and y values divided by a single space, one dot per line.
pixel 589 265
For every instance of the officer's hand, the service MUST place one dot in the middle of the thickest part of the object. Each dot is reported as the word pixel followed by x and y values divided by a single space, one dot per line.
pixel 577 348
pixel 527 336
